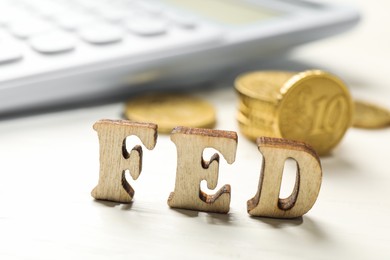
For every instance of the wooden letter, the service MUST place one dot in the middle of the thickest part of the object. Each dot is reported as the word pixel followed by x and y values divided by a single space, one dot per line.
pixel 115 160
pixel 192 168
pixel 266 202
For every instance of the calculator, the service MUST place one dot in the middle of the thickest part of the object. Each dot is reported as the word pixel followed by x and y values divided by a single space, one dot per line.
pixel 56 52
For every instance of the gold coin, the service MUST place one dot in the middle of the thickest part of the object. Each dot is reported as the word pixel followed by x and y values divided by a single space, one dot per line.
pixel 262 85
pixel 171 110
pixel 315 108
pixel 254 113
pixel 370 116
pixel 253 131
pixel 312 106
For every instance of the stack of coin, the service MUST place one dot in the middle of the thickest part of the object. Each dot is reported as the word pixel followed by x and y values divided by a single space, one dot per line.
pixel 311 106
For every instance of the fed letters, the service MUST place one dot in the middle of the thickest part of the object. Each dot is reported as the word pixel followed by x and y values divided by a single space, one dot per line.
pixel 192 169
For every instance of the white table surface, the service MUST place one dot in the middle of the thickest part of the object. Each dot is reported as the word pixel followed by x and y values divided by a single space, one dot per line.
pixel 49 165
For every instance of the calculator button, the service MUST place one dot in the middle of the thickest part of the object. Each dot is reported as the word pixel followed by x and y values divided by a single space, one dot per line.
pixel 113 15
pixel 9 16
pixel 50 10
pixel 101 34
pixel 181 20
pixel 150 8
pixel 74 21
pixel 9 54
pixel 146 27
pixel 27 28
pixel 91 5
pixel 137 15
pixel 52 43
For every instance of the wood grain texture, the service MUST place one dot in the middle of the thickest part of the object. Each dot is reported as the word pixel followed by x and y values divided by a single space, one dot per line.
pixel 115 158
pixel 192 168
pixel 276 151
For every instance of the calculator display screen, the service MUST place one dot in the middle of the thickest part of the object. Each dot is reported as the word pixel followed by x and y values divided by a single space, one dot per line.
pixel 232 12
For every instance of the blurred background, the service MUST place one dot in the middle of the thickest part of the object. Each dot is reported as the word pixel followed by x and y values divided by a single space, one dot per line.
pixel 98 50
